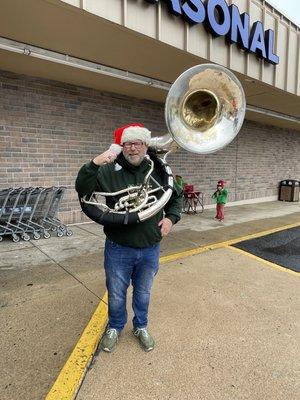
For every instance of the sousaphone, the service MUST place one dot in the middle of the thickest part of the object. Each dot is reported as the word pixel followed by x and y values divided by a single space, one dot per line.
pixel 204 111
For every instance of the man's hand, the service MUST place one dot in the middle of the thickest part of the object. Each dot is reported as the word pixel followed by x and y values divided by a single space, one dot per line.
pixel 165 226
pixel 105 158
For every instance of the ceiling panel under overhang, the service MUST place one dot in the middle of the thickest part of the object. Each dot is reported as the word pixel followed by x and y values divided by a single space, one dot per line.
pixel 22 64
pixel 56 26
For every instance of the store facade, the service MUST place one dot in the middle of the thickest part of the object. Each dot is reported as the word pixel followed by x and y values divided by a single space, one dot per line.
pixel 72 71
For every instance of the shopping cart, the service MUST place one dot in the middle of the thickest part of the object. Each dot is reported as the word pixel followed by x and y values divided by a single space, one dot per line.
pixel 51 208
pixel 33 219
pixel 31 211
pixel 11 208
pixel 26 206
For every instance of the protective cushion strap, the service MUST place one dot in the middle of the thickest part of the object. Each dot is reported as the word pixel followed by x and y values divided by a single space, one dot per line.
pixel 108 217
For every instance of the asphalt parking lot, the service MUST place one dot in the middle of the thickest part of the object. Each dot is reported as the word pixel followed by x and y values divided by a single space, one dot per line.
pixel 282 248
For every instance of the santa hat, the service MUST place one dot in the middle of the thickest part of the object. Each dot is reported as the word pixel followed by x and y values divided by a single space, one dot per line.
pixel 128 133
pixel 221 183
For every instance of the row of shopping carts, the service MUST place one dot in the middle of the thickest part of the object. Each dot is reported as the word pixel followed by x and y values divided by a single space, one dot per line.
pixel 31 212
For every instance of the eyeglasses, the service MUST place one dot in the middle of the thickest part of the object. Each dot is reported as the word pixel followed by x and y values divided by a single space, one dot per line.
pixel 137 145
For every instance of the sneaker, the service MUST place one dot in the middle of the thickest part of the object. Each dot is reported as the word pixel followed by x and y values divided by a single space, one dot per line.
pixel 144 337
pixel 109 340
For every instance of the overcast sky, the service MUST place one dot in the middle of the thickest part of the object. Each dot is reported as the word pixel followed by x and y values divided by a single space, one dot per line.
pixel 291 8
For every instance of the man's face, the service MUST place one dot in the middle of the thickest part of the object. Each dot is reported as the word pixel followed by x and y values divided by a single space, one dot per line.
pixel 134 151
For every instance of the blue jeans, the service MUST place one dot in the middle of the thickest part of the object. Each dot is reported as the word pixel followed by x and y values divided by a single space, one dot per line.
pixel 122 264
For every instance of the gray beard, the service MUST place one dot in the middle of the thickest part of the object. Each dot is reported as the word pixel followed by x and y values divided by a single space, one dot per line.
pixel 133 162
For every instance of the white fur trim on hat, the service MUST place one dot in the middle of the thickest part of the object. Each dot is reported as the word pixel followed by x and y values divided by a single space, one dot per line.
pixel 136 133
pixel 115 148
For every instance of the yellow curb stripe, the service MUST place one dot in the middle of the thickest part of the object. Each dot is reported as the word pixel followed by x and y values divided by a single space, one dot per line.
pixel 198 250
pixel 262 260
pixel 71 375
pixel 263 233
pixel 188 253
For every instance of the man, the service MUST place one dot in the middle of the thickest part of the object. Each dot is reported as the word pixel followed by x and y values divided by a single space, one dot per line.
pixel 131 251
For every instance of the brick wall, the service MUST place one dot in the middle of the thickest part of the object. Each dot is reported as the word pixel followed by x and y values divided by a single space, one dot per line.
pixel 49 129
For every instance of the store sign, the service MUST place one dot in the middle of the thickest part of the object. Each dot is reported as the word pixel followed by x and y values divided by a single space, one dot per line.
pixel 223 20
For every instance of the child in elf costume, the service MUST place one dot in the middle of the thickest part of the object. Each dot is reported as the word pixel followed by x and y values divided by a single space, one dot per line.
pixel 220 196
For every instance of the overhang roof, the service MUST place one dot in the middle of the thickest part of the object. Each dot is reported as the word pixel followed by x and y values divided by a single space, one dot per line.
pixel 57 26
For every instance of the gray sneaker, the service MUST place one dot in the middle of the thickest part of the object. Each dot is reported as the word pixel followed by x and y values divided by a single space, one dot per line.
pixel 144 337
pixel 109 340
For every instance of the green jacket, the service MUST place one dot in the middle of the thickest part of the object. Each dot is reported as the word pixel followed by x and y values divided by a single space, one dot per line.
pixel 116 176
pixel 221 197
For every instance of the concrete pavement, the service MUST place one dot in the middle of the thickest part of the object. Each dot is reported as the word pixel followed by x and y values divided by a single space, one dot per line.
pixel 226 327
pixel 50 289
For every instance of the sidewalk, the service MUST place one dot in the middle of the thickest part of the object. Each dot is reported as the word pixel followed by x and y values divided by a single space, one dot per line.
pixel 50 289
